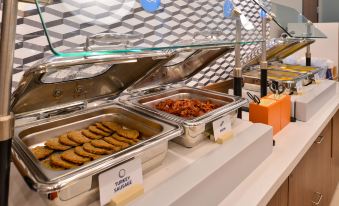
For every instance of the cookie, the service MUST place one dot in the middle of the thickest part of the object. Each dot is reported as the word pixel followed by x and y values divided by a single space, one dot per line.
pixel 126 140
pixel 115 142
pixel 47 163
pixel 80 151
pixel 88 147
pixel 90 134
pixel 58 162
pixel 56 145
pixel 63 139
pixel 103 128
pixel 112 125
pixel 96 130
pixel 71 156
pixel 41 152
pixel 129 133
pixel 78 137
pixel 103 144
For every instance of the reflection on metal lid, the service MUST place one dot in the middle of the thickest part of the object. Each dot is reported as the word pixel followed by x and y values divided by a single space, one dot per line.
pixel 74 73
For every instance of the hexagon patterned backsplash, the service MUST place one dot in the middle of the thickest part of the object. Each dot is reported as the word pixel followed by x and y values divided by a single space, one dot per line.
pixel 67 31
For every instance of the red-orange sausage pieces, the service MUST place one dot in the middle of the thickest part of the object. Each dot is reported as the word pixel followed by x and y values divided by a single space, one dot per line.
pixel 186 108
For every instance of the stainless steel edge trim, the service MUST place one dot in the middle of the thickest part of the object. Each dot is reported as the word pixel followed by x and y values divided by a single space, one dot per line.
pixel 7 46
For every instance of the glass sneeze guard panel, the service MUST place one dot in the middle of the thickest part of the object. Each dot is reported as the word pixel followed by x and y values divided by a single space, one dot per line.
pixel 106 27
pixel 290 20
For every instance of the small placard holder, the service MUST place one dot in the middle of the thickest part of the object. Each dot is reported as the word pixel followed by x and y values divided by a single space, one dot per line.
pixel 122 184
pixel 222 129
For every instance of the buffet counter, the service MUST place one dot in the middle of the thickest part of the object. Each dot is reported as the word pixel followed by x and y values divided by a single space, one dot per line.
pixel 173 181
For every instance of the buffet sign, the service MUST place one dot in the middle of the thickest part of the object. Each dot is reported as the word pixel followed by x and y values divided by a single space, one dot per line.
pixel 222 129
pixel 122 183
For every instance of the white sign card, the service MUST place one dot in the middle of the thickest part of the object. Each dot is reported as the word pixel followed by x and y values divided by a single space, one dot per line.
pixel 317 78
pixel 246 22
pixel 119 178
pixel 221 127
pixel 299 86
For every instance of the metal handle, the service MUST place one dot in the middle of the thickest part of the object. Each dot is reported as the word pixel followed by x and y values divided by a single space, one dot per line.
pixel 320 139
pixel 111 39
pixel 319 199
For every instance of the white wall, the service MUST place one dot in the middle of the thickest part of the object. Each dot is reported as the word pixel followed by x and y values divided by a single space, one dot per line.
pixel 325 48
pixel 328 10
pixel 297 4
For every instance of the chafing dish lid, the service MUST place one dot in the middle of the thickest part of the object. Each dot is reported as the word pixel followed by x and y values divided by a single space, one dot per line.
pixel 56 81
pixel 182 67
pixel 278 49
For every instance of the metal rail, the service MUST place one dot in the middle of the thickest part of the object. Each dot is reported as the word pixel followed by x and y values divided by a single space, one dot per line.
pixel 7 46
pixel 263 63
pixel 237 71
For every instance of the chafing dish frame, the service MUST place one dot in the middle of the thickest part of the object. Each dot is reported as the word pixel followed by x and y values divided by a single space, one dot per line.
pixel 32 173
pixel 196 129
pixel 290 85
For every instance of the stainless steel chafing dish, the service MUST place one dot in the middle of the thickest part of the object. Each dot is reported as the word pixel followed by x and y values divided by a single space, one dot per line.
pixel 166 83
pixel 287 75
pixel 286 78
pixel 53 97
pixel 307 70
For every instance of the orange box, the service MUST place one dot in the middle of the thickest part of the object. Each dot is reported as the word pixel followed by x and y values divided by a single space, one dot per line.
pixel 285 112
pixel 267 112
pixel 272 111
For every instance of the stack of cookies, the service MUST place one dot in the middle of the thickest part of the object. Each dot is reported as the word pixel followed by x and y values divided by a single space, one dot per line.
pixel 75 148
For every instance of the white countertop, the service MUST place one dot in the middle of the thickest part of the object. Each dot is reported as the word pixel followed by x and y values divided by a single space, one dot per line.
pixel 291 145
pixel 257 189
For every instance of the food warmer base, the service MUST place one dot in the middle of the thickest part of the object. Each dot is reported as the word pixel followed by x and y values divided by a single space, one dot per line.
pixel 251 144
pixel 87 195
pixel 190 175
pixel 314 96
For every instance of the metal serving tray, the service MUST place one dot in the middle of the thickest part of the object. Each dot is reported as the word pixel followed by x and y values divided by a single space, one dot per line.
pixel 154 133
pixel 276 75
pixel 196 129
pixel 286 78
pixel 309 71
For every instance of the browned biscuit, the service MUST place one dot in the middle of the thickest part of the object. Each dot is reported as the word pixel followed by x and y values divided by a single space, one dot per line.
pixel 41 152
pixel 103 144
pixel 58 162
pixel 88 147
pixel 47 163
pixel 123 139
pixel 112 125
pixel 71 156
pixel 78 137
pixel 90 134
pixel 129 133
pixel 103 128
pixel 80 151
pixel 96 130
pixel 113 141
pixel 63 139
pixel 56 145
